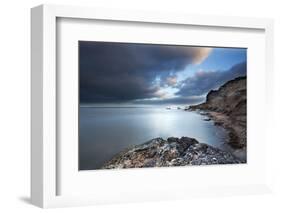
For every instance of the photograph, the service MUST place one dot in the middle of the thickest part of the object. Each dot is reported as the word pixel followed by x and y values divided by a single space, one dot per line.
pixel 161 105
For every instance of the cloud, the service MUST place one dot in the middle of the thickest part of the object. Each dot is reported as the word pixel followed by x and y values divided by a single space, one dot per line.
pixel 119 72
pixel 203 81
pixel 201 55
pixel 171 80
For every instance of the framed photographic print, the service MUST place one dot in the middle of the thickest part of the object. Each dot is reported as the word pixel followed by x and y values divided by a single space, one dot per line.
pixel 130 106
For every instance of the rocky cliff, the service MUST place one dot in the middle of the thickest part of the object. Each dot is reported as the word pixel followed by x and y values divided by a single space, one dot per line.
pixel 171 152
pixel 227 106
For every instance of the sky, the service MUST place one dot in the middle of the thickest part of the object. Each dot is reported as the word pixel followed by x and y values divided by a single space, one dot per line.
pixel 129 74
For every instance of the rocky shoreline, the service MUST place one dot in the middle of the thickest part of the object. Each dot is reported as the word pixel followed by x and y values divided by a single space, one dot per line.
pixel 227 107
pixel 171 152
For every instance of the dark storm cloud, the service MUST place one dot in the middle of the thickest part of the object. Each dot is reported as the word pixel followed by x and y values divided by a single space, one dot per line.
pixel 202 82
pixel 116 72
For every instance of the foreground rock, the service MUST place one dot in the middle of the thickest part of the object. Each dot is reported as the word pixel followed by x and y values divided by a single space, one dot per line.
pixel 227 106
pixel 171 152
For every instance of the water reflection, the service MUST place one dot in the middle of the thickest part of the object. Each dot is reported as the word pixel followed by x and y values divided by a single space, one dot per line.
pixel 106 131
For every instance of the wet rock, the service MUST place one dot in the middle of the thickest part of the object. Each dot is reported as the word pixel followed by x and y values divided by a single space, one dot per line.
pixel 172 140
pixel 171 152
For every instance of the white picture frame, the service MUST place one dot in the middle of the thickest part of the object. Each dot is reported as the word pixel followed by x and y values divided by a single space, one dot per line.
pixel 44 154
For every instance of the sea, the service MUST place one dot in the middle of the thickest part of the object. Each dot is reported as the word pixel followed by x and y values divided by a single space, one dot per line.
pixel 106 131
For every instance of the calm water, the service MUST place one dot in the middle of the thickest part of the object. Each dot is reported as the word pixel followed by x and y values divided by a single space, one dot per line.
pixel 106 131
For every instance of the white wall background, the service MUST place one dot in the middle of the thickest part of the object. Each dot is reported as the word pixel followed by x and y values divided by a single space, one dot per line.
pixel 15 104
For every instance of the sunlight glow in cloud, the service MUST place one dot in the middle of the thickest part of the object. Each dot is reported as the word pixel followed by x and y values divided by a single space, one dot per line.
pixel 118 73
